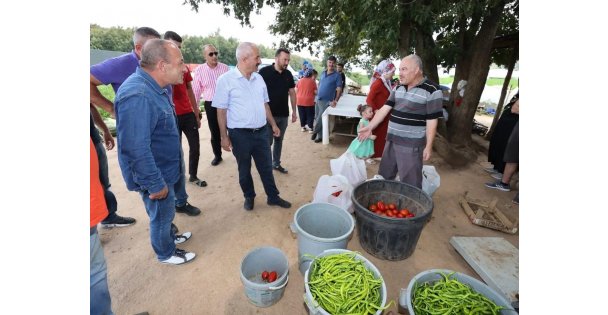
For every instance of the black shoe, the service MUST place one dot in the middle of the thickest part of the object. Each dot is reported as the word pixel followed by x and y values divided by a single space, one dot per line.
pixel 117 221
pixel 280 169
pixel 174 228
pixel 217 160
pixel 248 205
pixel 318 140
pixel 313 137
pixel 188 209
pixel 280 202
pixel 196 181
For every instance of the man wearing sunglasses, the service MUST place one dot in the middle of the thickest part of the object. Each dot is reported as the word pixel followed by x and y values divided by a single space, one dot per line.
pixel 205 77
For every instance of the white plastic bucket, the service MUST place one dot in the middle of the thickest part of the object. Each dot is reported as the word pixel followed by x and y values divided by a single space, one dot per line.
pixel 321 226
pixel 267 258
pixel 432 275
pixel 315 309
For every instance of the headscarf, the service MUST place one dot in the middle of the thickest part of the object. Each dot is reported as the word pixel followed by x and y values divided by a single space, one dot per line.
pixel 308 70
pixel 385 66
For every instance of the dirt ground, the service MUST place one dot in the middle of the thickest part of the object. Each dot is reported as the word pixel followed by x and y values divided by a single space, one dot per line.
pixel 224 233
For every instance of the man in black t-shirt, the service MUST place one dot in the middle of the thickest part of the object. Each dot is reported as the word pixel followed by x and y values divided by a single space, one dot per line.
pixel 280 85
pixel 340 69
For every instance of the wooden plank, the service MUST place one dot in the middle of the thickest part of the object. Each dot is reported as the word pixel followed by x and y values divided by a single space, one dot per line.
pixel 495 260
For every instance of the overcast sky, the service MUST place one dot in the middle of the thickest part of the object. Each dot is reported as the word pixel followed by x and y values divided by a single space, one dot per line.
pixel 172 15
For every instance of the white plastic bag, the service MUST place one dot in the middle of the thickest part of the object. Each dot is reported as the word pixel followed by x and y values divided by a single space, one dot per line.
pixel 349 166
pixel 430 179
pixel 335 190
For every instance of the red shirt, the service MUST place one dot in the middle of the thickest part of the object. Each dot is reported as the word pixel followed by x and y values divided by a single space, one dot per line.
pixel 305 94
pixel 99 210
pixel 180 96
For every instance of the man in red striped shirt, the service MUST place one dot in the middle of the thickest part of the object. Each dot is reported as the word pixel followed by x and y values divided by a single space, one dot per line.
pixel 205 78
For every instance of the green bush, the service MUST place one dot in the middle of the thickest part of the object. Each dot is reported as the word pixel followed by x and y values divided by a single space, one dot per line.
pixel 108 92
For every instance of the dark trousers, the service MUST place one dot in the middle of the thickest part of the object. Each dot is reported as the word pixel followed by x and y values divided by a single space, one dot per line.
pixel 247 144
pixel 187 125
pixel 105 181
pixel 307 115
pixel 277 142
pixel 214 128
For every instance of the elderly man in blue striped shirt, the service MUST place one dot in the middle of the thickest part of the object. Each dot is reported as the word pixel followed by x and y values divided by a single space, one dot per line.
pixel 414 107
pixel 241 99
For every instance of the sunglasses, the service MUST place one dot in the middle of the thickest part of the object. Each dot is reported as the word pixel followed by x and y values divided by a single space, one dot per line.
pixel 213 53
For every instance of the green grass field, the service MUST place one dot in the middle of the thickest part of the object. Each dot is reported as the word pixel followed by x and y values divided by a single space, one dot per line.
pixel 490 82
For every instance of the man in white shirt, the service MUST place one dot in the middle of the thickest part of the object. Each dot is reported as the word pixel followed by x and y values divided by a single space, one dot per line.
pixel 241 99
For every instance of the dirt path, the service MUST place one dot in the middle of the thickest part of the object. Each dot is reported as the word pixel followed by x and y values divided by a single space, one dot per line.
pixel 224 233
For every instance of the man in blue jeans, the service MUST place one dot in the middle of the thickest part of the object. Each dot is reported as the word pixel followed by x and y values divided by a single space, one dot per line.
pixel 241 100
pixel 149 150
pixel 115 71
pixel 280 85
pixel 330 90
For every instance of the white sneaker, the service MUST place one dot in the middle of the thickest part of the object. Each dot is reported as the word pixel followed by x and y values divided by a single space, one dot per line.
pixel 179 257
pixel 497 176
pixel 307 128
pixel 181 238
pixel 303 129
pixel 370 161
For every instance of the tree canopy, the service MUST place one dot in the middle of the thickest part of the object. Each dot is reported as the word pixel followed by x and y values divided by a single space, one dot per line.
pixel 451 33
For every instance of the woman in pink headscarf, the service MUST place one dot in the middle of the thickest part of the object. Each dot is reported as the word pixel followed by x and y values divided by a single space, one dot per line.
pixel 379 91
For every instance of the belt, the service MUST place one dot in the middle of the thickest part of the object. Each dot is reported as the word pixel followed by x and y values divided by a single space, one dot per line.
pixel 250 129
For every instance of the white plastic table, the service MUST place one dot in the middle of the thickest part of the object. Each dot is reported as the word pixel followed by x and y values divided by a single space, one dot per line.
pixel 347 107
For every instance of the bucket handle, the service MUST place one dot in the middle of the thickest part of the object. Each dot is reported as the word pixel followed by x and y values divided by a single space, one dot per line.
pixel 281 286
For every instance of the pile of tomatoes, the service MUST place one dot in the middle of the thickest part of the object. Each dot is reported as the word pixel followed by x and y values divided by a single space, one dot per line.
pixel 390 210
pixel 269 276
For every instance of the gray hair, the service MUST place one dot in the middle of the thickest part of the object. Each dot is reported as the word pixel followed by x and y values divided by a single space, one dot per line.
pixel 207 46
pixel 244 50
pixel 416 60
pixel 154 51
pixel 144 33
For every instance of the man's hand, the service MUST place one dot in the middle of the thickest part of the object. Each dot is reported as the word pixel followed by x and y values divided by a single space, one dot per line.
pixel 426 154
pixel 364 133
pixel 108 140
pixel 333 103
pixel 276 132
pixel 226 144
pixel 162 194
pixel 294 117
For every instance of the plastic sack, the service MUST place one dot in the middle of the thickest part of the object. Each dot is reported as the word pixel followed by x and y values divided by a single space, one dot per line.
pixel 430 179
pixel 335 190
pixel 349 166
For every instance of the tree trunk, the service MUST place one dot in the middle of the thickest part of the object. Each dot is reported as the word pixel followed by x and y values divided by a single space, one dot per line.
pixel 461 117
pixel 405 28
pixel 425 48
pixel 503 93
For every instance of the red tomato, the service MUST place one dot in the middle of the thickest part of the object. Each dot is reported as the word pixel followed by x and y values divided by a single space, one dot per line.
pixel 394 212
pixel 373 208
pixel 265 275
pixel 272 276
pixel 399 215
pixel 404 212
pixel 381 206
pixel 411 215
pixel 389 214
pixel 392 206
pixel 378 212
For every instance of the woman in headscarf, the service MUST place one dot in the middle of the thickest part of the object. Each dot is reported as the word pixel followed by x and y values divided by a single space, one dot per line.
pixel 379 91
pixel 306 89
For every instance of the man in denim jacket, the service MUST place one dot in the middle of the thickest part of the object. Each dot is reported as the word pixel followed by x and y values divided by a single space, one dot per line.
pixel 149 151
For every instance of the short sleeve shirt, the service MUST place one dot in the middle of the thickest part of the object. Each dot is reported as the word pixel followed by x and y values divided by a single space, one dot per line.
pixel 278 85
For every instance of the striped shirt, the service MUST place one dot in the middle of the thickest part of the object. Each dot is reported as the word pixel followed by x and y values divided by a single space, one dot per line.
pixel 204 80
pixel 411 110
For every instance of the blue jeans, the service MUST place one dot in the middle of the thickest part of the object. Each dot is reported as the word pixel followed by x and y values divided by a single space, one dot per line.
pixel 278 142
pixel 161 213
pixel 180 186
pixel 320 107
pixel 100 303
pixel 105 180
pixel 245 145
